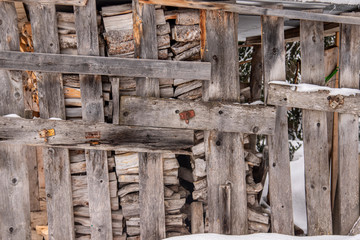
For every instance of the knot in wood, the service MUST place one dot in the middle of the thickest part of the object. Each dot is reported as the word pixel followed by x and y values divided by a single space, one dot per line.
pixel 11 229
pixel 14 181
pixel 1 22
pixel 336 101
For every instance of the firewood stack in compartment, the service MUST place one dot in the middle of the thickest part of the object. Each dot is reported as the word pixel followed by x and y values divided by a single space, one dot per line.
pixel 81 197
pixel 127 170
pixel 258 218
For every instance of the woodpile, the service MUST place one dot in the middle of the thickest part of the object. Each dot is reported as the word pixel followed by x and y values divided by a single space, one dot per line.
pixel 127 171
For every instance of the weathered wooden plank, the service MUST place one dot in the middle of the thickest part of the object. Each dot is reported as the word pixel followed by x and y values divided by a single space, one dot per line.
pixel 32 167
pixel 104 65
pixel 317 169
pixel 197 217
pixel 346 209
pixel 14 197
pixel 254 10
pixel 115 87
pixel 312 97
pixel 57 2
pixel 51 102
pixel 77 133
pixel 93 111
pixel 279 171
pixel 223 150
pixel 151 176
pixel 225 117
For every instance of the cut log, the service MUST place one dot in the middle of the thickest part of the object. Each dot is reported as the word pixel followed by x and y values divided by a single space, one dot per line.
pixel 255 216
pixel 181 47
pixel 108 11
pixel 192 52
pixel 186 33
pixel 200 195
pixel 191 95
pixel 186 87
pixel 174 204
pixel 188 17
pixel 68 41
pixel 130 188
pixel 163 29
pixel 199 149
pixel 201 184
pixel 199 168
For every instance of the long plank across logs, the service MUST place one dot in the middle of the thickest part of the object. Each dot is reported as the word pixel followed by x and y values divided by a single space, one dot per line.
pixel 313 97
pixel 59 2
pixel 168 113
pixel 101 136
pixel 94 65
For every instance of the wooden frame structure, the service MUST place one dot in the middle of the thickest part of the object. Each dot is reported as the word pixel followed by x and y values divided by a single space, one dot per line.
pixel 154 125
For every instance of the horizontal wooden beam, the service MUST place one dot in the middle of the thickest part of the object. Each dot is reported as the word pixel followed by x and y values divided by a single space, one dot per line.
pixel 100 136
pixel 224 117
pixel 57 2
pixel 312 97
pixel 254 10
pixel 94 65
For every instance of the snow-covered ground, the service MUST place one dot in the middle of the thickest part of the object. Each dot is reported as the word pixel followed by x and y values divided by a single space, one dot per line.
pixel 260 236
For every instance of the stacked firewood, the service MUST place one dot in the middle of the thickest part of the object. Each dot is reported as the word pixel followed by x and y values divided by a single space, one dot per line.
pixel 81 195
pixel 127 170
pixel 258 220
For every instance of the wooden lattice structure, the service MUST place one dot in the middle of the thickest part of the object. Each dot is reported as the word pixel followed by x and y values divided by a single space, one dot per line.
pixel 158 128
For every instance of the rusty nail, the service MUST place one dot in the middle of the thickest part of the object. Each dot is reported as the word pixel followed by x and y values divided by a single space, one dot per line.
pixel 218 143
pixel 255 129
pixel 187 115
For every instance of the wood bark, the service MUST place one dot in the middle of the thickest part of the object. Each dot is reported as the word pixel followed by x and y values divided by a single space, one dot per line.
pixel 273 48
pixel 223 150
pixel 316 155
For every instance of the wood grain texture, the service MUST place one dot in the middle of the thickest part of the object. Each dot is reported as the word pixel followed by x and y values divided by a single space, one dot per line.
pixel 223 150
pixel 104 65
pixel 31 160
pixel 151 180
pixel 273 45
pixel 225 117
pixel 59 2
pixel 14 197
pixel 51 103
pixel 346 209
pixel 115 90
pixel 11 81
pixel 79 134
pixel 316 154
pixel 93 111
pixel 197 217
pixel 254 10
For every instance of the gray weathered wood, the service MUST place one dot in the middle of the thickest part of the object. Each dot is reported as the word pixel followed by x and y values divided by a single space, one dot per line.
pixel 93 111
pixel 80 134
pixel 151 180
pixel 14 197
pixel 51 103
pixel 325 99
pixel 254 10
pixel 197 217
pixel 225 117
pixel 32 167
pixel 115 87
pixel 223 150
pixel 59 2
pixel 317 169
pixel 346 209
pixel 273 45
pixel 104 65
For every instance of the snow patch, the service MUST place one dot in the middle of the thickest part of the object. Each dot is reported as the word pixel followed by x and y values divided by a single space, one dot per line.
pixel 53 118
pixel 12 116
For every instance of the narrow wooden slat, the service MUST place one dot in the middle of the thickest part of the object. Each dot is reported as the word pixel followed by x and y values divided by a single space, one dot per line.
pixel 115 90
pixel 323 99
pixel 346 210
pixel 104 65
pixel 93 111
pixel 254 10
pixel 151 180
pixel 224 151
pixel 51 102
pixel 197 217
pixel 14 174
pixel 31 161
pixel 225 117
pixel 316 155
pixel 58 2
pixel 77 133
pixel 273 45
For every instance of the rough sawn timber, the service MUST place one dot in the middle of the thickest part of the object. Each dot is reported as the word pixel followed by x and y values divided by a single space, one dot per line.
pixel 225 117
pixel 346 209
pixel 58 2
pixel 228 6
pixel 94 65
pixel 51 103
pixel 223 151
pixel 151 179
pixel 316 155
pixel 273 45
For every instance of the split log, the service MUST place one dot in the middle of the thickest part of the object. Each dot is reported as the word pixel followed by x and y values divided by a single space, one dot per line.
pixel 163 54
pixel 200 195
pixel 199 168
pixel 176 204
pixel 259 227
pixel 186 87
pixel 199 149
pixel 163 29
pixel 70 92
pixel 71 80
pixel 167 92
pixel 178 81
pixel 130 210
pixel 73 102
pixel 192 52
pixel 254 188
pixel 191 95
pixel 186 33
pixel 253 158
pixel 258 217
pixel 68 41
pixel 188 17
pixel 197 219
pixel 130 188
pixel 108 11
pixel 181 47
pixel 200 184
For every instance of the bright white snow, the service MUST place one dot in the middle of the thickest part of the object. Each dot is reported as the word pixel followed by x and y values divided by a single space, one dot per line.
pixel 12 116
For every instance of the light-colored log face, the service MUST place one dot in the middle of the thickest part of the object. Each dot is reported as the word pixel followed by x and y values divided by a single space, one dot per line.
pixel 312 97
pixel 104 65
pixel 58 2
pixel 224 117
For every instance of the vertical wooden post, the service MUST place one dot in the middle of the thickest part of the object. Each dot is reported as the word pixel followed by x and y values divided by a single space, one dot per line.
pixel 197 217
pixel 51 101
pixel 224 152
pixel 115 85
pixel 273 45
pixel 151 194
pixel 346 210
pixel 14 180
pixel 317 169
pixel 93 111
